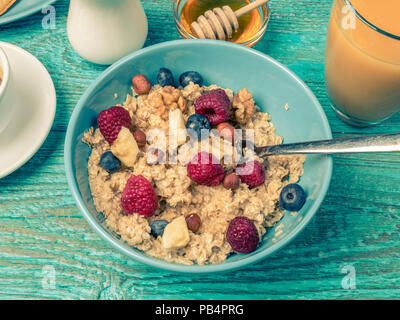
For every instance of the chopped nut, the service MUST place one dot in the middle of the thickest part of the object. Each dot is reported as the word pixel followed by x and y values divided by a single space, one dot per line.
pixel 193 222
pixel 231 181
pixel 167 99
pixel 140 138
pixel 243 106
pixel 226 131
pixel 141 84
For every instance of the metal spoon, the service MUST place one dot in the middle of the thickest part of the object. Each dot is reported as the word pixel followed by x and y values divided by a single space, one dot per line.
pixel 389 142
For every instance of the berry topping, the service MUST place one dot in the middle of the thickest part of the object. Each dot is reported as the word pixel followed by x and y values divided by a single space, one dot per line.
pixel 231 181
pixel 252 173
pixel 140 138
pixel 205 169
pixel 139 197
pixel 193 222
pixel 157 227
pixel 141 84
pixel 110 122
pixel 215 105
pixel 242 235
pixel 109 162
pixel 198 126
pixel 292 197
pixel 165 77
pixel 190 76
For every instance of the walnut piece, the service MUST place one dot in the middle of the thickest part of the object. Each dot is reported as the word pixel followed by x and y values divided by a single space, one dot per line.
pixel 243 106
pixel 167 99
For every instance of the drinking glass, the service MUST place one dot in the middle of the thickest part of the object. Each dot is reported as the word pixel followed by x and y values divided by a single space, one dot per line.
pixel 362 67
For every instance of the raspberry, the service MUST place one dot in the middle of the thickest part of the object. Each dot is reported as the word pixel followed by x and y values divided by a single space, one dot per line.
pixel 205 169
pixel 252 173
pixel 215 105
pixel 242 235
pixel 110 122
pixel 139 197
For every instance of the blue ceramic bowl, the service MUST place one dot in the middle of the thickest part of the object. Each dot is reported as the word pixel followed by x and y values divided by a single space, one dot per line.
pixel 230 66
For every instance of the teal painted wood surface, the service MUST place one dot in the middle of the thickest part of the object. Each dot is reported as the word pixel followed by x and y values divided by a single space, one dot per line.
pixel 48 251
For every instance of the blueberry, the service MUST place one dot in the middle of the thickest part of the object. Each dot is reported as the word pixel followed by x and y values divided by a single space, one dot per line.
pixel 198 126
pixel 292 197
pixel 165 77
pixel 157 227
pixel 109 162
pixel 188 76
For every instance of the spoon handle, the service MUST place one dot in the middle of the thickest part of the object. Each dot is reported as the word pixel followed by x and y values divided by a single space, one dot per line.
pixel 389 142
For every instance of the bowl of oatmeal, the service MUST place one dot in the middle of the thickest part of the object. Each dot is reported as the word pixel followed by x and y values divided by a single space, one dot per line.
pixel 160 159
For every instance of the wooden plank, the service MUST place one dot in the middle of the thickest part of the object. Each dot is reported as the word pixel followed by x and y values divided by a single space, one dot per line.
pixel 42 231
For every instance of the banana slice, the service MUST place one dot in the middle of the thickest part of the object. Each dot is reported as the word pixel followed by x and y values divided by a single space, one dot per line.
pixel 177 128
pixel 125 147
pixel 176 234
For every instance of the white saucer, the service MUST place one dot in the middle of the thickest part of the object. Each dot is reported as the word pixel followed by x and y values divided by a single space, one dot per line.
pixel 35 108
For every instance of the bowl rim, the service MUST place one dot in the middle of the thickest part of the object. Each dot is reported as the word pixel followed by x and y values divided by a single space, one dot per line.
pixel 154 262
pixel 5 66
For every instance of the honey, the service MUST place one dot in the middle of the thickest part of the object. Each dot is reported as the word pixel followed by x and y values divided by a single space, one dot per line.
pixel 249 24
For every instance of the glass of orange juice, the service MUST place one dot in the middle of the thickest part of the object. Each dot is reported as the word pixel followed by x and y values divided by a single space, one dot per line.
pixel 362 60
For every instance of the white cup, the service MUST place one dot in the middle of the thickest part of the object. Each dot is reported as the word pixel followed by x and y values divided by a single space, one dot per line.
pixel 6 92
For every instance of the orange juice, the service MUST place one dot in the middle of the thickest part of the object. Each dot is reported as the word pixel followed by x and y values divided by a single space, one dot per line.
pixel 362 60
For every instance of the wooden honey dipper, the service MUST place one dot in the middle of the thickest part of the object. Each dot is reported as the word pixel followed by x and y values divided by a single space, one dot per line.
pixel 220 22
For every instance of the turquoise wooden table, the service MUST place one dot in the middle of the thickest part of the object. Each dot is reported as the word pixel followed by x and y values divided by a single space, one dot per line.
pixel 351 250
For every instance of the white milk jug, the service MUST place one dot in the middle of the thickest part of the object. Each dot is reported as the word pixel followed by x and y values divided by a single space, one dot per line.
pixel 103 31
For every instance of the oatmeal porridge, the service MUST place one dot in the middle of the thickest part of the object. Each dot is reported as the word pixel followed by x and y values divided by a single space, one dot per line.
pixel 147 177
